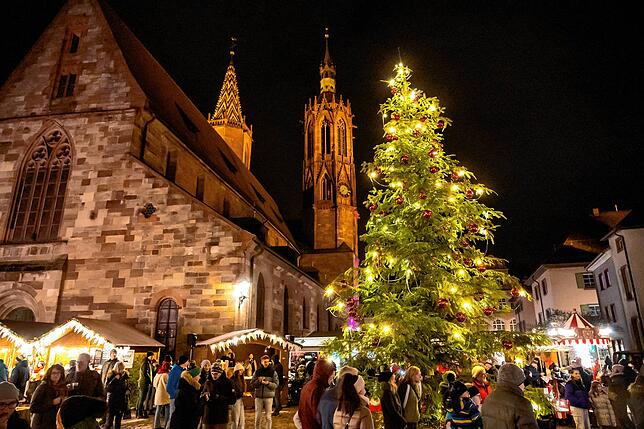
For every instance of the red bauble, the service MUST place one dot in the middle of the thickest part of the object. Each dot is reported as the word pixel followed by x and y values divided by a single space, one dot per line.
pixel 433 153
pixel 442 303
pixel 422 195
pixel 467 261
pixel 395 116
pixel 417 132
pixel 469 194
pixel 465 243
pixel 400 200
pixel 394 90
pixel 456 177
pixel 423 118
pixel 514 292
pixel 460 317
pixel 390 137
pixel 488 311
pixel 404 160
pixel 473 228
pixel 507 344
pixel 427 214
pixel 383 213
pixel 434 169
pixel 440 124
pixel 482 268
pixel 373 207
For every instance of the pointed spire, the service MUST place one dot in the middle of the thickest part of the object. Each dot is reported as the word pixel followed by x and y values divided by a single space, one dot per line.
pixel 327 70
pixel 228 107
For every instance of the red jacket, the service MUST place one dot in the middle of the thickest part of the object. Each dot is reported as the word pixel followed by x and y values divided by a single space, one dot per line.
pixel 484 388
pixel 311 394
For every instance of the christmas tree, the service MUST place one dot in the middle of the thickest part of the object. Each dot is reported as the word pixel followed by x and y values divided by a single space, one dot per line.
pixel 427 289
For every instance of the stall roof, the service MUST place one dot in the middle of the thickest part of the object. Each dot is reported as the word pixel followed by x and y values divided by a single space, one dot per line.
pixel 231 339
pixel 103 332
pixel 28 331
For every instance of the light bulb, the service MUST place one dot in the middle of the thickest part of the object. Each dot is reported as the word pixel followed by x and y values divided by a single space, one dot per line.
pixel 329 291
pixel 432 108
pixel 392 130
pixel 386 329
pixel 455 188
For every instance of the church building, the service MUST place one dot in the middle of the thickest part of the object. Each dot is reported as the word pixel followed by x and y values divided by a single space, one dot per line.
pixel 121 201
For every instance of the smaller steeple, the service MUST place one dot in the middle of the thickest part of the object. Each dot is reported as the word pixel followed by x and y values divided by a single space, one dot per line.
pixel 327 69
pixel 228 120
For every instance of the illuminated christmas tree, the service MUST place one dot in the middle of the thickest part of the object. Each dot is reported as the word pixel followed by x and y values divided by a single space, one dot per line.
pixel 427 289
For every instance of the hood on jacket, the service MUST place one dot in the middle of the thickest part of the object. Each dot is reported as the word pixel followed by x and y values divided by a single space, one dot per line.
pixel 322 372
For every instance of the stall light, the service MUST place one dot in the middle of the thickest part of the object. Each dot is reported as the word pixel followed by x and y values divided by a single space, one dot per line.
pixel 606 331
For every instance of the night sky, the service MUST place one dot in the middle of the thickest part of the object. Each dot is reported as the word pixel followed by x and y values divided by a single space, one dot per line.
pixel 545 96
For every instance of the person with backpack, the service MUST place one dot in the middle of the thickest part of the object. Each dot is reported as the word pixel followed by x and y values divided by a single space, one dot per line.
pixel 410 392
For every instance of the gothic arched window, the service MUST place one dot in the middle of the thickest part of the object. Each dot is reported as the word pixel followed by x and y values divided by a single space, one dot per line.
pixel 327 189
pixel 342 138
pixel 261 298
pixel 325 137
pixel 309 141
pixel 40 194
pixel 167 321
pixel 21 314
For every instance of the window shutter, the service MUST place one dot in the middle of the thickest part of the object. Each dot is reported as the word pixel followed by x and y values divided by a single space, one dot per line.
pixel 580 280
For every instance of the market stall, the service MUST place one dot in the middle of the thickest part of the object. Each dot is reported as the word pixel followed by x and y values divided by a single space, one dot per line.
pixel 244 343
pixel 17 339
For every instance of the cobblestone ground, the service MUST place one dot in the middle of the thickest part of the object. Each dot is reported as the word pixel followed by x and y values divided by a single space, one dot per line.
pixel 283 421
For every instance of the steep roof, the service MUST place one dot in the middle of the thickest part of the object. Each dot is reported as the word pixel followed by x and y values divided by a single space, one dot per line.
pixel 173 107
pixel 228 108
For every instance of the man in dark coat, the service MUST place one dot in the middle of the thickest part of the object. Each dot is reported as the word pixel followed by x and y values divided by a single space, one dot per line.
pixel 145 382
pixel 108 366
pixel 85 381
pixel 392 412
pixel 279 369
pixel 217 396
pixel 20 375
pixel 586 376
pixel 506 407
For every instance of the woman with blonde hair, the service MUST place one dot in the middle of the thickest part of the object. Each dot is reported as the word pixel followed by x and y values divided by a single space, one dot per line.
pixel 410 392
pixel 239 387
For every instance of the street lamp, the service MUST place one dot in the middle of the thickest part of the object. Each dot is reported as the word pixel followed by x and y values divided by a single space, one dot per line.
pixel 240 292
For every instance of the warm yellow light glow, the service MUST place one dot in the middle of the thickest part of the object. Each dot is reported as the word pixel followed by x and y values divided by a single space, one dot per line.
pixel 453 289
pixel 518 361
pixel 386 329
pixel 417 205
pixel 466 305
pixel 369 278
pixel 479 191
pixel 392 82
pixel 478 261
pixel 329 291
pixel 392 130
pixel 439 184
pixel 432 108
pixel 455 188
pixel 412 95
pixel 373 174
pixel 522 293
pixel 391 260
pixel 451 199
pixel 457 336
pixel 486 215
pixel 483 231
pixel 461 272
pixel 340 305
pixel 461 173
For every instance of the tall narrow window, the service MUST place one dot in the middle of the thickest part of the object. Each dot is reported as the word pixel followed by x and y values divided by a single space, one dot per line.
pixel 171 165
pixel 325 134
pixel 285 311
pixel 201 180
pixel 66 85
pixel 40 195
pixel 623 271
pixel 498 325
pixel 342 138
pixel 74 41
pixel 167 321
pixel 261 302
pixel 309 141
pixel 305 315
pixel 327 189
pixel 513 325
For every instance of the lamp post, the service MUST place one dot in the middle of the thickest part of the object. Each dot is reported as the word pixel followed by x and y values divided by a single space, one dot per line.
pixel 240 293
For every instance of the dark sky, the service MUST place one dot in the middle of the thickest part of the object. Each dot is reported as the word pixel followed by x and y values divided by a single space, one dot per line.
pixel 545 95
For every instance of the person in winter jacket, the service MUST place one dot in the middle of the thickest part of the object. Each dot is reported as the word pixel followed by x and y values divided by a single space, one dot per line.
pixel 173 383
pixel 329 400
pixel 84 381
pixel 145 382
pixel 47 398
pixel 161 397
pixel 80 412
pixel 186 413
pixel 390 402
pixel 20 375
pixel 506 407
pixel 108 366
pixel 9 418
pixel 410 392
pixel 116 389
pixel 444 386
pixel 575 393
pixel 217 396
pixel 636 401
pixel 479 380
pixel 629 373
pixel 4 371
pixel 264 382
pixel 619 397
pixel 602 409
pixel 204 375
pixel 279 369
pixel 475 396
pixel 239 387
pixel 462 412
pixel 353 410
pixel 311 394
pixel 586 376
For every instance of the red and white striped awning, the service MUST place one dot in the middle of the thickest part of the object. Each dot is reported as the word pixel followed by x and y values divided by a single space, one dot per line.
pixel 586 341
pixel 575 321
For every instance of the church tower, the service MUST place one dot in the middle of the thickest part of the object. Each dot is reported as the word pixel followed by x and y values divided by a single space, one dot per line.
pixel 328 178
pixel 228 120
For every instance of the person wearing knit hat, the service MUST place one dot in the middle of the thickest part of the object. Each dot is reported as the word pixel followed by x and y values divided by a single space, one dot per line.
pixel 239 387
pixel 80 412
pixel 9 419
pixel 506 407
pixel 461 411
pixel 479 379
pixel 390 401
pixel 475 395
pixel 161 397
pixel 618 395
pixel 217 394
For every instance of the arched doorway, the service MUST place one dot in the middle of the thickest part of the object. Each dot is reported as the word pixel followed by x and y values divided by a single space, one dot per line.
pixel 21 314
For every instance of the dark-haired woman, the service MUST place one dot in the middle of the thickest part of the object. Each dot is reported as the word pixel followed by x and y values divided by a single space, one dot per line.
pixel 353 411
pixel 116 388
pixel 47 398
